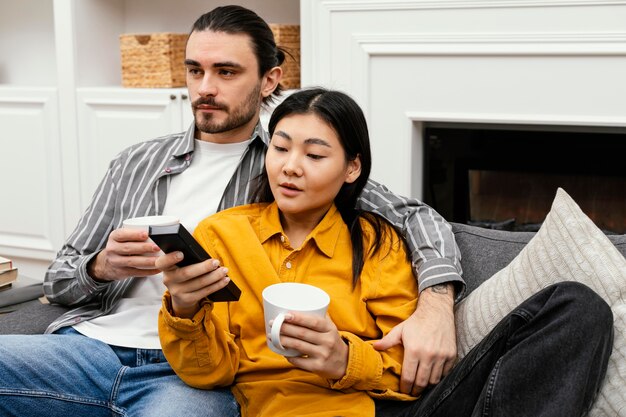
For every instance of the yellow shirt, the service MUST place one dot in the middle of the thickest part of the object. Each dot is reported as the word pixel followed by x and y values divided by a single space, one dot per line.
pixel 225 343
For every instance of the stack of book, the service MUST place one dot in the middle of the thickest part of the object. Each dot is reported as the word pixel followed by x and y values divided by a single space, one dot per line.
pixel 8 274
pixel 15 290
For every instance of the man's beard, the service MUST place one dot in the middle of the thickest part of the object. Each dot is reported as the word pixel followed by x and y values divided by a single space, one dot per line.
pixel 239 117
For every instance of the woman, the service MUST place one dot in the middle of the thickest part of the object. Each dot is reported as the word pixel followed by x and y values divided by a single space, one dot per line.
pixel 308 231
pixel 548 357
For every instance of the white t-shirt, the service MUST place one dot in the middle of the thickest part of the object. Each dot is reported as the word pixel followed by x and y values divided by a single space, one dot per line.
pixel 192 195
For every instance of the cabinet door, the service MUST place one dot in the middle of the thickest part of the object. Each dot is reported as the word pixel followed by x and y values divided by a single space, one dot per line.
pixel 31 219
pixel 186 112
pixel 111 119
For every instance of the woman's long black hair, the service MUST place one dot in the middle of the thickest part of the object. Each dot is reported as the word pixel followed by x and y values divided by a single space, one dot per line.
pixel 345 116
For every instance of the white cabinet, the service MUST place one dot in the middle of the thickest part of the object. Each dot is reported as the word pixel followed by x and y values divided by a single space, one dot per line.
pixel 111 119
pixel 31 223
pixel 64 115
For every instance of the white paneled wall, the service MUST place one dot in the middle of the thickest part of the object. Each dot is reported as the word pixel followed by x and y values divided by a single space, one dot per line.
pixel 409 62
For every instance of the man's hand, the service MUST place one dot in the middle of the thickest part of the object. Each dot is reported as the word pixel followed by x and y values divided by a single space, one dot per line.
pixel 124 256
pixel 190 284
pixel 429 340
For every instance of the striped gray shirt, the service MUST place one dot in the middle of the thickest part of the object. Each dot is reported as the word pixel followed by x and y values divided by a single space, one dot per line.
pixel 136 184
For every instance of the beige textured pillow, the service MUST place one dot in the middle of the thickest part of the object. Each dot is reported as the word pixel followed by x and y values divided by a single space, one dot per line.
pixel 568 246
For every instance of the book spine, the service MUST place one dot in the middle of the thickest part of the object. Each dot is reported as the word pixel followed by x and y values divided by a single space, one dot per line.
pixel 5 263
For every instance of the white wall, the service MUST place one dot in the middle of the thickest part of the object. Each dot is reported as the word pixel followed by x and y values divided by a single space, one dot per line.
pixel 25 43
pixel 409 62
pixel 168 15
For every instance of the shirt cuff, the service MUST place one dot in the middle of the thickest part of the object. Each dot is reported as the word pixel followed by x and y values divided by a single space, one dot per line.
pixel 184 328
pixel 440 271
pixel 364 368
pixel 85 279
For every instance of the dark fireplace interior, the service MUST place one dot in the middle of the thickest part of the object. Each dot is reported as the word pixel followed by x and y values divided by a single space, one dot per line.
pixel 505 176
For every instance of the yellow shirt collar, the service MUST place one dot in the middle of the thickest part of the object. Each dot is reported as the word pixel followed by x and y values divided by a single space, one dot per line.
pixel 325 234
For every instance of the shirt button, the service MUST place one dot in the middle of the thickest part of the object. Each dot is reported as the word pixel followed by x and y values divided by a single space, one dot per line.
pixel 282 238
pixel 168 170
pixel 288 265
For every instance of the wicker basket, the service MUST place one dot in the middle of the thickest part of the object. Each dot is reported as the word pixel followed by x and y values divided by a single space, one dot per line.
pixel 153 60
pixel 288 38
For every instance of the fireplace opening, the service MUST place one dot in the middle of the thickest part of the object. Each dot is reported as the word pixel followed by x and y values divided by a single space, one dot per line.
pixel 506 176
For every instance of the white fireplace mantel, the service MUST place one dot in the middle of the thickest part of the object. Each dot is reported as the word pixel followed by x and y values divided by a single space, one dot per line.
pixel 519 62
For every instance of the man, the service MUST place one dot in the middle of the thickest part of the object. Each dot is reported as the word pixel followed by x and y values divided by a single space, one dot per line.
pixel 107 359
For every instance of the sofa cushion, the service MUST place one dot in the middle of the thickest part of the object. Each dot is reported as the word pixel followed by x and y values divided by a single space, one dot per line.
pixel 484 251
pixel 568 246
pixel 31 317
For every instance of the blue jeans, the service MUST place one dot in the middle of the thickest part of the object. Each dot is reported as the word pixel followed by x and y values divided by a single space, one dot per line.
pixel 68 374
pixel 547 358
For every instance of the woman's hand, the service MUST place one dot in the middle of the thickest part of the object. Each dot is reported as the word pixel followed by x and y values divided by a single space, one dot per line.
pixel 323 350
pixel 190 284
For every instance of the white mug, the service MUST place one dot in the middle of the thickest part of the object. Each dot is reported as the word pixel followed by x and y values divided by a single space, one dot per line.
pixel 144 223
pixel 279 299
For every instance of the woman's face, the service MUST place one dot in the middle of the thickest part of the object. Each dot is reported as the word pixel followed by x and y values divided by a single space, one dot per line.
pixel 306 166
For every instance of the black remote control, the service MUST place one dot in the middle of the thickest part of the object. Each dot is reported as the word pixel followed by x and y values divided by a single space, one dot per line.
pixel 176 238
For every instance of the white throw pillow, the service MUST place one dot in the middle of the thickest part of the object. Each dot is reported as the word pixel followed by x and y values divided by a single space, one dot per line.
pixel 568 246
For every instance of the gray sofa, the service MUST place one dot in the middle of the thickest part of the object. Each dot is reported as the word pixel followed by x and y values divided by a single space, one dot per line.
pixel 484 252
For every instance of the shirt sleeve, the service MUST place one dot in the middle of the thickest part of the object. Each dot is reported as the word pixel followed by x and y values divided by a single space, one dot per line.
pixel 200 350
pixel 435 256
pixel 391 298
pixel 67 281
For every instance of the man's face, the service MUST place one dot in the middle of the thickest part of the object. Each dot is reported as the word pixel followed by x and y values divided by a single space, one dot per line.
pixel 224 85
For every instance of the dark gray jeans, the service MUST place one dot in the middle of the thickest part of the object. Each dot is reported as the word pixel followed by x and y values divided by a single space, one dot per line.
pixel 547 358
